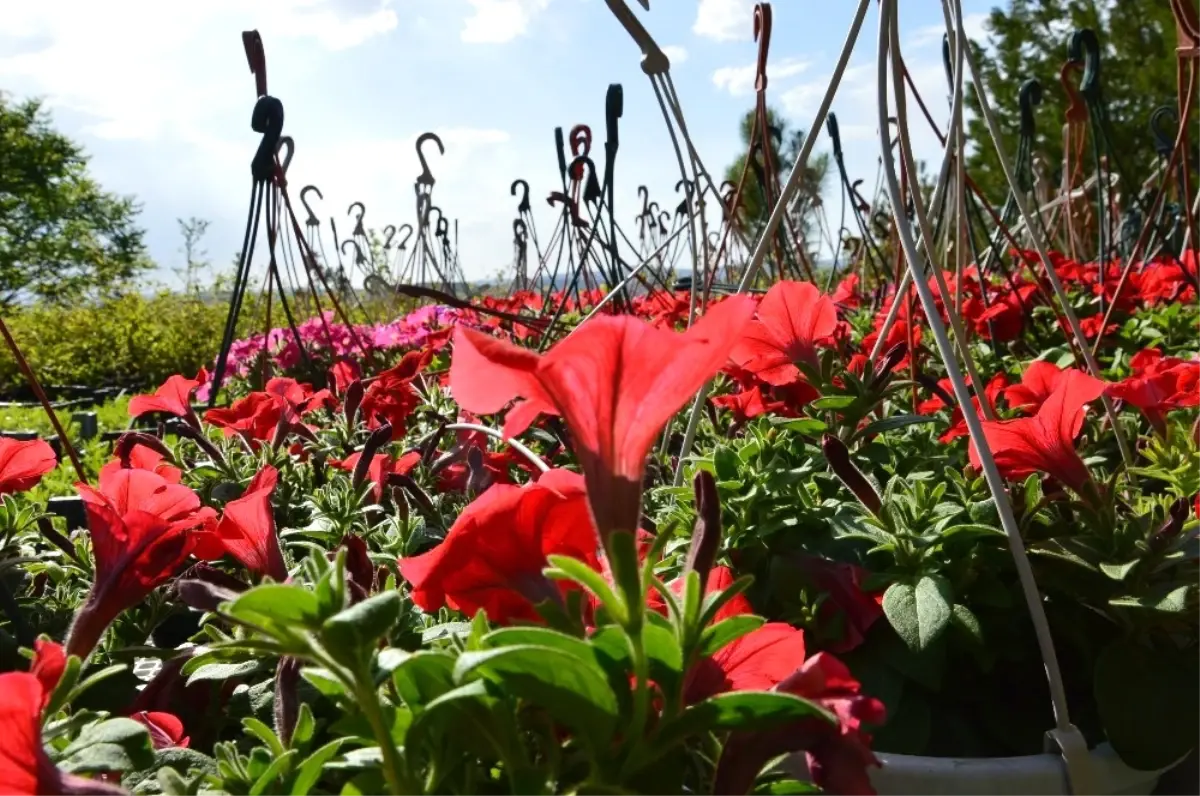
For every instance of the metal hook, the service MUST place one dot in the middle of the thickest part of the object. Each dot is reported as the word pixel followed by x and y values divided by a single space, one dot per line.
pixel 267 119
pixel 408 230
pixel 389 232
pixel 614 109
pixel 358 255
pixel 644 192
pixel 683 208
pixel 285 141
pixel 523 205
pixel 442 228
pixel 426 176
pixel 1085 47
pixel 580 138
pixel 520 232
pixel 591 190
pixel 257 58
pixel 433 209
pixel 654 60
pixel 1076 110
pixel 762 35
pixel 664 225
pixel 835 135
pixel 358 224
pixel 1029 97
pixel 311 221
pixel 1164 138
pixel 558 197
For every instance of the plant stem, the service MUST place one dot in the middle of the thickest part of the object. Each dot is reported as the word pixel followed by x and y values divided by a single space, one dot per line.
pixel 368 700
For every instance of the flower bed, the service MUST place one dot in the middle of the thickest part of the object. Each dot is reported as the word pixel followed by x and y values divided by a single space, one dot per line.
pixel 366 585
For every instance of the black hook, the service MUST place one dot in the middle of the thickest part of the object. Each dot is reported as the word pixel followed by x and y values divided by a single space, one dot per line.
pixel 523 205
pixel 835 135
pixel 644 192
pixel 1029 98
pixel 762 35
pixel 580 138
pixel 358 224
pixel 389 232
pixel 614 109
pixel 558 197
pixel 312 217
pixel 268 120
pixel 408 233
pixel 1085 47
pixel 520 232
pixel 433 209
pixel 285 141
pixel 358 255
pixel 664 225
pixel 560 150
pixel 683 208
pixel 1164 137
pixel 442 228
pixel 426 176
pixel 591 190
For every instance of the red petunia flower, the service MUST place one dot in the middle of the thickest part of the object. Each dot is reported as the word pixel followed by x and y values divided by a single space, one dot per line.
pixel 49 663
pixel 848 607
pixel 793 319
pixel 174 397
pixel 254 416
pixel 23 463
pixel 1159 384
pixel 390 397
pixel 247 530
pixel 958 423
pixel 343 374
pixel 616 381
pixel 1045 442
pixel 493 557
pixel 1037 382
pixel 140 526
pixel 166 730
pixel 143 458
pixel 25 768
pixel 720 578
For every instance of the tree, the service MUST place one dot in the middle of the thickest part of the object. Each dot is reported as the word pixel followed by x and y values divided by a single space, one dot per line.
pixel 195 258
pixel 1030 40
pixel 785 143
pixel 61 235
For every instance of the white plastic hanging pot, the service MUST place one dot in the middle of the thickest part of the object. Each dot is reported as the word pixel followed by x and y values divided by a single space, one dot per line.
pixel 1006 776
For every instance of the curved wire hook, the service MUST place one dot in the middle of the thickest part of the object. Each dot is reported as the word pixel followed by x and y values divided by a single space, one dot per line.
pixel 426 176
pixel 428 213
pixel 288 142
pixel 684 206
pixel 442 229
pixel 762 35
pixel 1029 98
pixel 591 190
pixel 558 197
pixel 389 232
pixel 407 229
pixel 580 138
pixel 1085 47
pixel 523 205
pixel 358 255
pixel 311 221
pixel 644 192
pixel 1076 111
pixel 1164 137
pixel 358 224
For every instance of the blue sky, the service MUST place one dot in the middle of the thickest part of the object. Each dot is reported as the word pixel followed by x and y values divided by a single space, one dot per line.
pixel 160 95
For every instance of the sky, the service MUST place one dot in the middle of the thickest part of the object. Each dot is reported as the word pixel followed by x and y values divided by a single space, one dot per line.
pixel 160 95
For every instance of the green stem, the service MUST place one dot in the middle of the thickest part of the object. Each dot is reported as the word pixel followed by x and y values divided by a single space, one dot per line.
pixel 368 700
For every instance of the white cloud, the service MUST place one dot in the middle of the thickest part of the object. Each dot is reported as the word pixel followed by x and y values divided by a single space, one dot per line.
pixel 725 20
pixel 675 53
pixel 499 21
pixel 739 80
pixel 932 34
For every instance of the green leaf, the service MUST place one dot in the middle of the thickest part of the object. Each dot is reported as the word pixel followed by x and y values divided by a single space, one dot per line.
pixel 919 613
pixel 740 710
pixel 225 671
pixel 302 733
pixel 726 463
pixel 278 603
pixel 574 690
pixel 965 620
pixel 354 631
pixel 112 745
pixel 324 681
pixel 511 636
pixel 423 677
pixel 833 402
pixel 804 426
pixel 265 734
pixel 278 768
pixel 1147 703
pixel 1173 602
pixel 310 770
pixel 567 568
pixel 1118 571
pixel 715 637
pixel 891 424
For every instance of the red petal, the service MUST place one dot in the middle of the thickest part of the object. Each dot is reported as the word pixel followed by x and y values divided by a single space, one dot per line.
pixel 23 463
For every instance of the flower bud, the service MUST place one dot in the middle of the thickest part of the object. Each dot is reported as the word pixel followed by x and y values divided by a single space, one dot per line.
pixel 839 460
pixel 706 535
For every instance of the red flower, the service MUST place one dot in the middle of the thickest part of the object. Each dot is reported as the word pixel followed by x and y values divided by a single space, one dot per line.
pixel 174 397
pixel 757 661
pixel 616 381
pixel 255 416
pixel 958 423
pixel 139 524
pixel 390 398
pixel 247 530
pixel 494 555
pixel 846 292
pixel 847 605
pixel 793 319
pixel 343 374
pixel 166 730
pixel 23 463
pixel 49 662
pixel 1046 442
pixel 1159 384
pixel 25 768
pixel 381 465
pixel 143 458
pixel 719 579
pixel 1037 382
